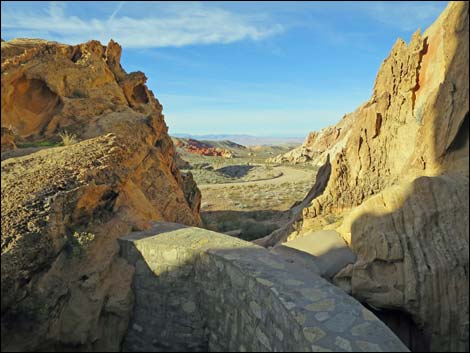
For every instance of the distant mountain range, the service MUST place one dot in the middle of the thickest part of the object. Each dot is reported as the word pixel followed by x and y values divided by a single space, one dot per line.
pixel 246 140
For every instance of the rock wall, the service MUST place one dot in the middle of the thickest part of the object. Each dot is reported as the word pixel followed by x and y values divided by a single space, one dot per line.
pixel 197 290
pixel 63 284
pixel 398 190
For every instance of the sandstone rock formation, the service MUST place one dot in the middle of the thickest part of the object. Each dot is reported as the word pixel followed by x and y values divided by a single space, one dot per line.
pixel 397 187
pixel 63 285
pixel 202 148
pixel 180 162
pixel 325 251
pixel 318 145
pixel 8 139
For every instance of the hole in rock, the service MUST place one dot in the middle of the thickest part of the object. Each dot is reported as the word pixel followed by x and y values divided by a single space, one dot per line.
pixel 461 138
pixel 77 54
pixel 31 107
pixel 378 125
pixel 139 94
pixel 405 328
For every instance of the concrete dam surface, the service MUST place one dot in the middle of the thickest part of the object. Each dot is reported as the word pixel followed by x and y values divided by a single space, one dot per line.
pixel 197 290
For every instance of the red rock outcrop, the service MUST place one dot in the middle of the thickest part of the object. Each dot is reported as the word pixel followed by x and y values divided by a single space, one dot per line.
pixel 202 148
pixel 397 190
pixel 63 284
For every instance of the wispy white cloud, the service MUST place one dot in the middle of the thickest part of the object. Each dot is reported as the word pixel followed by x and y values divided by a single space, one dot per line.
pixel 403 15
pixel 165 26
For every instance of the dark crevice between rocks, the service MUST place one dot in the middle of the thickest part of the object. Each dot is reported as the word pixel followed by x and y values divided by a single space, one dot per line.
pixel 76 55
pixel 417 86
pixel 361 140
pixel 461 137
pixel 378 125
pixel 403 325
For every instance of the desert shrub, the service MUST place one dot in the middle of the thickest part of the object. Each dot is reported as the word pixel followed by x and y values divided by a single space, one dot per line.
pixel 68 138
pixel 203 166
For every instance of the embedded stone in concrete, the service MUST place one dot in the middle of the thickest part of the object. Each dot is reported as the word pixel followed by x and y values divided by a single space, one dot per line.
pixel 322 316
pixel 197 290
pixel 313 334
pixel 323 305
pixel 343 343
pixel 255 309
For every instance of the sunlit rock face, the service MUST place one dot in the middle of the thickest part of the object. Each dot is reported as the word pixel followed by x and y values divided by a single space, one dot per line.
pixel 397 188
pixel 63 284
pixel 318 145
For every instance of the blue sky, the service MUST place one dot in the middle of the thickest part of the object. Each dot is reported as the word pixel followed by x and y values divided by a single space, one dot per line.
pixel 262 68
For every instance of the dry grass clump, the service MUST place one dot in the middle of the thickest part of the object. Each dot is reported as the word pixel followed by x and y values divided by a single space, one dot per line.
pixel 67 138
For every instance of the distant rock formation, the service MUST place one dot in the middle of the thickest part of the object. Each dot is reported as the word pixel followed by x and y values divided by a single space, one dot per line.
pixel 396 185
pixel 63 284
pixel 204 148
pixel 318 145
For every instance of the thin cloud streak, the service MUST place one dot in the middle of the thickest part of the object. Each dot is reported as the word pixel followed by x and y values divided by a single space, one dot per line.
pixel 118 8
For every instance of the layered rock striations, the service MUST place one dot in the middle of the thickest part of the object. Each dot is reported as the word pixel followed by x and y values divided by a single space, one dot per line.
pixel 63 284
pixel 397 187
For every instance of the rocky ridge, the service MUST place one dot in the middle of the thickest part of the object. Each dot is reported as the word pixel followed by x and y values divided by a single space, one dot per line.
pixel 202 148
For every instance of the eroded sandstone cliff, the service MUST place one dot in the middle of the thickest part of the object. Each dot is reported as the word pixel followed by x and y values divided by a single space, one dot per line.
pixel 63 284
pixel 318 145
pixel 396 185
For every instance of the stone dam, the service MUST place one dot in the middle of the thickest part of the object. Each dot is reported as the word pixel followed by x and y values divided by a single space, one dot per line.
pixel 197 290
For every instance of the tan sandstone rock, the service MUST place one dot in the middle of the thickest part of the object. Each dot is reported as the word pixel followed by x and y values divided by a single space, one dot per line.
pixel 64 285
pixel 8 139
pixel 318 145
pixel 398 187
